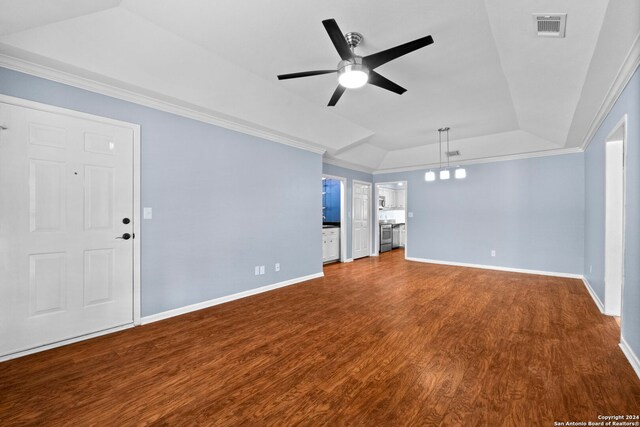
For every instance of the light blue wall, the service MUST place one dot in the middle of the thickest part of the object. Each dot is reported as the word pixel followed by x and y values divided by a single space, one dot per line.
pixel 530 211
pixel 628 103
pixel 350 175
pixel 223 202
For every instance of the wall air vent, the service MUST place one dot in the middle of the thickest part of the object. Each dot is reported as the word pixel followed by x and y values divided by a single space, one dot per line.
pixel 453 153
pixel 550 24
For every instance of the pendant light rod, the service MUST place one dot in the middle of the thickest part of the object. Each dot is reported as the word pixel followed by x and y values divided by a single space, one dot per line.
pixel 440 146
pixel 443 129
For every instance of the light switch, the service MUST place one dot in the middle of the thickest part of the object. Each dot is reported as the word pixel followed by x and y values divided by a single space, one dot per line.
pixel 147 213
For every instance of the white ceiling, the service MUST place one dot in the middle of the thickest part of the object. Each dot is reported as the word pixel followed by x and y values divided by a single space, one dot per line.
pixel 502 90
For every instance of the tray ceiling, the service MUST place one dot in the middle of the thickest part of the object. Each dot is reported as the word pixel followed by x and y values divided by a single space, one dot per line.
pixel 501 89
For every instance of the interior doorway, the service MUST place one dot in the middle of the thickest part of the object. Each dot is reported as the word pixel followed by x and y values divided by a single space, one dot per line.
pixel 390 219
pixel 614 219
pixel 334 221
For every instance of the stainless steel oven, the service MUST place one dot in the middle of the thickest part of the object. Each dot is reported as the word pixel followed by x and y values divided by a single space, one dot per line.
pixel 386 237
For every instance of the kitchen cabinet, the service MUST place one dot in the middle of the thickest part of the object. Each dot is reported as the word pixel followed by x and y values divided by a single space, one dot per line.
pixel 394 199
pixel 330 244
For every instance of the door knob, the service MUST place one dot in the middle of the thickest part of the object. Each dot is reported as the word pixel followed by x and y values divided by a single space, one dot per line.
pixel 125 236
pixel 126 220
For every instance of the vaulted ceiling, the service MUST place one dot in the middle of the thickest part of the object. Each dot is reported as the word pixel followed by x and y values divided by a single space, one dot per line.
pixel 502 90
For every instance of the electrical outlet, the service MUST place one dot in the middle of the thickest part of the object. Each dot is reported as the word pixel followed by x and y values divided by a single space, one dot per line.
pixel 262 269
pixel 590 268
pixel 410 214
pixel 147 213
pixel 257 269
pixel 277 266
pixel 493 252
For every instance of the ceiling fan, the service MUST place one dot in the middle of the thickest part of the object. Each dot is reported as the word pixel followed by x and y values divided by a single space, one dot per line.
pixel 355 71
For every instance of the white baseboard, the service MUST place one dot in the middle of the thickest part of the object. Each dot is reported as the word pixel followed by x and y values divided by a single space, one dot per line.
pixel 348 260
pixel 593 294
pixel 631 356
pixel 495 267
pixel 210 303
pixel 64 342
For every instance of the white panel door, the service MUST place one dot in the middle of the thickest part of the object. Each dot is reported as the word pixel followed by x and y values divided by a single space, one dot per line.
pixel 361 220
pixel 66 187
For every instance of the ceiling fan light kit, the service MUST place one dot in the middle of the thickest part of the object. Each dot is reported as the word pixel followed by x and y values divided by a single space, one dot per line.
pixel 352 74
pixel 356 71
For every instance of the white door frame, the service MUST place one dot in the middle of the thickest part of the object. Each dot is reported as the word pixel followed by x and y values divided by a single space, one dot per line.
pixel 376 231
pixel 609 306
pixel 343 216
pixel 136 209
pixel 353 195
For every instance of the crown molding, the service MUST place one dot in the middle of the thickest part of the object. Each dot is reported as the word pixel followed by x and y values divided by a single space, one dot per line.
pixel 348 165
pixel 113 91
pixel 492 159
pixel 626 71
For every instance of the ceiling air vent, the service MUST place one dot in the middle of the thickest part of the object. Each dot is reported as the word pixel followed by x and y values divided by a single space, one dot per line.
pixel 550 24
pixel 453 153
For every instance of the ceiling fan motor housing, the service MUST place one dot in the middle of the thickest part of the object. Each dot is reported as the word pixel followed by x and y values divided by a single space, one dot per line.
pixel 353 39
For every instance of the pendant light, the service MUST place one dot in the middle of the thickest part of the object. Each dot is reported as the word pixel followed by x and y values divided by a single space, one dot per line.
pixel 444 174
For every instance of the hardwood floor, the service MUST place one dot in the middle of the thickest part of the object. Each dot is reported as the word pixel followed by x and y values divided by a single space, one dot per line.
pixel 380 341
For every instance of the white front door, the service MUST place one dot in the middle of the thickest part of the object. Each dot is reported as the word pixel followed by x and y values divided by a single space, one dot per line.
pixel 361 219
pixel 66 201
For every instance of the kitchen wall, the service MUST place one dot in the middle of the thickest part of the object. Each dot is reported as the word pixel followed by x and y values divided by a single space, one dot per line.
pixel 628 103
pixel 350 175
pixel 223 202
pixel 530 211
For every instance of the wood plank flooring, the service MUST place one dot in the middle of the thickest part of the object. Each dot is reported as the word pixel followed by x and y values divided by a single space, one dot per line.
pixel 378 342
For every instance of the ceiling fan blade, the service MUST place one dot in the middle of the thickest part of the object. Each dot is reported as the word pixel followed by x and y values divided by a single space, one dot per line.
pixel 383 82
pixel 304 74
pixel 382 57
pixel 336 95
pixel 337 37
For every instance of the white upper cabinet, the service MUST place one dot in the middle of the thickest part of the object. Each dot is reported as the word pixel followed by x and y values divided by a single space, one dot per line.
pixel 394 199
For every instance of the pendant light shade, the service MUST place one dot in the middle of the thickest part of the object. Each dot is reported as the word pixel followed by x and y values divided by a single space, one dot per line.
pixel 430 176
pixel 460 173
pixel 444 174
